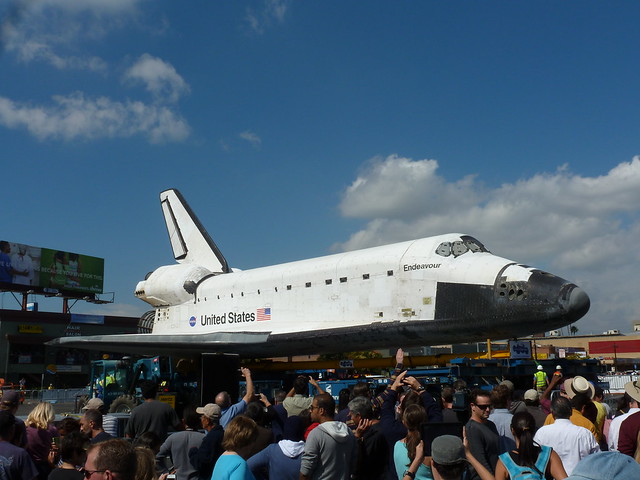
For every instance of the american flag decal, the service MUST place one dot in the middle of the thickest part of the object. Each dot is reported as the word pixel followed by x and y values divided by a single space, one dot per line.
pixel 264 314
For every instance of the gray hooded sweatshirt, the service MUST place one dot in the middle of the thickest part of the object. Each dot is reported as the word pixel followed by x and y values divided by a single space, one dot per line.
pixel 330 452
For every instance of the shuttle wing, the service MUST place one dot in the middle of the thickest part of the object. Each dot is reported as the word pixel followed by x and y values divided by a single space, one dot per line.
pixel 189 240
pixel 150 344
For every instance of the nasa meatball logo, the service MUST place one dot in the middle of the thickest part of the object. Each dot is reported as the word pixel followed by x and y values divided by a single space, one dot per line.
pixel 192 321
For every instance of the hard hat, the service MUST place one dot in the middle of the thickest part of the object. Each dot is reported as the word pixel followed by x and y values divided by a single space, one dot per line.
pixel 539 367
pixel 558 367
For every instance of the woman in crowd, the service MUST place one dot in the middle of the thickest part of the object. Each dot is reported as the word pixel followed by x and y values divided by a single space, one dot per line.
pixel 528 455
pixel 150 440
pixel 40 435
pixel 72 455
pixel 404 451
pixel 239 435
pixel 146 465
pixel 281 460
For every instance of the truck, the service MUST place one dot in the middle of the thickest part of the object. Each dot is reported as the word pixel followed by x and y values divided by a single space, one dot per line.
pixel 116 382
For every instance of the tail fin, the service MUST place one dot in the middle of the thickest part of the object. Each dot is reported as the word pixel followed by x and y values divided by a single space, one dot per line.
pixel 190 241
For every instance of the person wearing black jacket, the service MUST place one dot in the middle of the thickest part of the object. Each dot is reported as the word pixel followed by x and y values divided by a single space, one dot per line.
pixel 203 459
pixel 392 428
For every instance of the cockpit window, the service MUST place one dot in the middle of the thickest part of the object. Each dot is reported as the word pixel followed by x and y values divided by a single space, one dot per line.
pixel 444 249
pixel 460 247
pixel 473 244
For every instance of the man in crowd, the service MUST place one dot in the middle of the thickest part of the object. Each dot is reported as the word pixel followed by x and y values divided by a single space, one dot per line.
pixel 632 397
pixel 578 390
pixel 109 422
pixel 114 459
pixel 91 425
pixel 330 451
pixel 395 401
pixel 152 415
pixel 298 398
pixel 484 441
pixel 450 460
pixel 10 401
pixel 501 417
pixel 531 400
pixel 628 436
pixel 373 451
pixel 178 445
pixel 448 413
pixel 15 462
pixel 230 410
pixel 204 458
pixel 571 442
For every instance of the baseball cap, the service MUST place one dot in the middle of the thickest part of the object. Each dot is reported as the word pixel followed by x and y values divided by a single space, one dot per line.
pixel 10 397
pixel 447 450
pixel 577 385
pixel 210 410
pixel 508 384
pixel 606 466
pixel 93 404
pixel 633 390
pixel 531 395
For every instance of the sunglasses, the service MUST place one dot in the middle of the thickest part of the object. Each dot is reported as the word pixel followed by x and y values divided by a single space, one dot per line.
pixel 482 407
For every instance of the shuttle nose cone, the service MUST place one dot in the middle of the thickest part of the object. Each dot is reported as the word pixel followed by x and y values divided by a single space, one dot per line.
pixel 578 304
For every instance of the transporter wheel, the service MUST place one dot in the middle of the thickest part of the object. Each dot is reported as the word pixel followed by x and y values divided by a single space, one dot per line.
pixel 123 404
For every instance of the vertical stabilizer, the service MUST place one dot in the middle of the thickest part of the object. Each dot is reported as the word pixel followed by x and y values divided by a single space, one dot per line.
pixel 189 240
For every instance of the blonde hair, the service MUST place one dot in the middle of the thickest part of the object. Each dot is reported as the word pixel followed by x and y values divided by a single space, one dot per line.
pixel 146 464
pixel 41 416
pixel 239 433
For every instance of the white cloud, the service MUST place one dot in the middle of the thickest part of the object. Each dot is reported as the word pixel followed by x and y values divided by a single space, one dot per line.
pixel 251 137
pixel 272 12
pixel 159 78
pixel 581 228
pixel 77 117
pixel 95 6
pixel 57 32
pixel 405 186
pixel 35 51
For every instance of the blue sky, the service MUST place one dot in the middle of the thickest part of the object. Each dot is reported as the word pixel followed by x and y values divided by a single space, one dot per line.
pixel 297 129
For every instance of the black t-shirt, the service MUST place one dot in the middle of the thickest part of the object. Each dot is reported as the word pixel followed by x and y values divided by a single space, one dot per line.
pixel 152 416
pixel 65 474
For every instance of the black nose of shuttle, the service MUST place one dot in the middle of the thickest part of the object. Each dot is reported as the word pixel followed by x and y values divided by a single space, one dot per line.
pixel 578 304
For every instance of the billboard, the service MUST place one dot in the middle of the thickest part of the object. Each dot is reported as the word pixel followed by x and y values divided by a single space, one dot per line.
pixel 24 267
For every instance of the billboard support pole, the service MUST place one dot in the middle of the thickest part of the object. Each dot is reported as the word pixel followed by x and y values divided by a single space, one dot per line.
pixel 65 305
pixel 25 296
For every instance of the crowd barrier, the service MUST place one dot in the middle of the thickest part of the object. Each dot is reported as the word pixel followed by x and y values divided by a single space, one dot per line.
pixel 58 395
pixel 616 382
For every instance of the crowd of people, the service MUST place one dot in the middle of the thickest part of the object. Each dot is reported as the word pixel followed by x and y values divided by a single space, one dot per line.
pixel 406 432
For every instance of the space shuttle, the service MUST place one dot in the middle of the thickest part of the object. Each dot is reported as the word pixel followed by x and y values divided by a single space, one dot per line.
pixel 439 290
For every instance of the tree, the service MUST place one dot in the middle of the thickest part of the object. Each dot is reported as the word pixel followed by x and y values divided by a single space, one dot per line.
pixel 573 329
